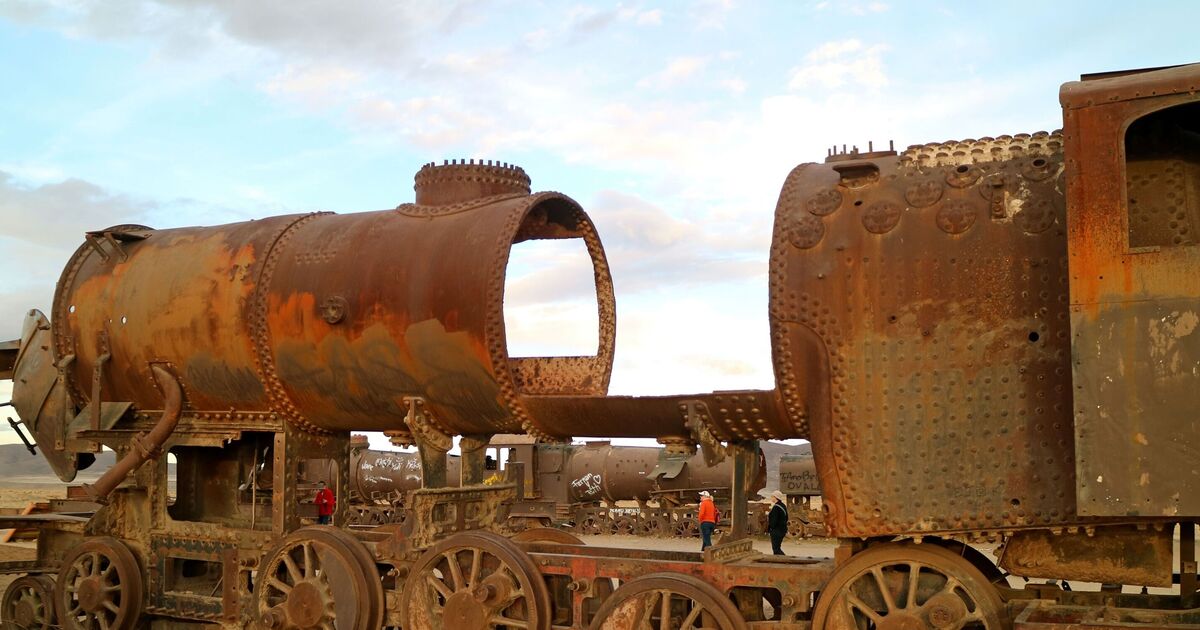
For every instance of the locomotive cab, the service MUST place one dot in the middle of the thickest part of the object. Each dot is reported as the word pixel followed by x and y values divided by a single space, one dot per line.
pixel 1132 146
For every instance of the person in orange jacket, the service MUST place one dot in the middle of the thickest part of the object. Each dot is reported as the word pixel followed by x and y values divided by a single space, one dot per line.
pixel 325 502
pixel 708 519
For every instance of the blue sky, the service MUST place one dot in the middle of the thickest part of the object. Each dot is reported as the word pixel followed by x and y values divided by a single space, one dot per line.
pixel 673 124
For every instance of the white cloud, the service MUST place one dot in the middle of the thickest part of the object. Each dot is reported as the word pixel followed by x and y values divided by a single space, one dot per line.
pixel 676 71
pixel 733 85
pixel 711 14
pixel 841 63
pixel 316 86
pixel 649 18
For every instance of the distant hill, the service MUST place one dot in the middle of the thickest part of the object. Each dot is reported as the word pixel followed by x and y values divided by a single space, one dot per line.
pixel 16 462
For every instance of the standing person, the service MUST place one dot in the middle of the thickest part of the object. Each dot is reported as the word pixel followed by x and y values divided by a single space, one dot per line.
pixel 708 519
pixel 325 502
pixel 777 522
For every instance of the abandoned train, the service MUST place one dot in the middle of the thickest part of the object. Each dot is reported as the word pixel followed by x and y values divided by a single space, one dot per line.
pixel 987 340
pixel 588 487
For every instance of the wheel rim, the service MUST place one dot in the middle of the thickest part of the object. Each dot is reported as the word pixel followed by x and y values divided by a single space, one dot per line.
pixel 667 602
pixel 651 527
pixel 29 603
pixel 317 579
pixel 473 581
pixel 99 587
pixel 688 528
pixel 590 525
pixel 547 535
pixel 909 587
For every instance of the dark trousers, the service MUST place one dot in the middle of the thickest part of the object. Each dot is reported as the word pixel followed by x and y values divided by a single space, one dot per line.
pixel 706 530
pixel 324 519
pixel 776 541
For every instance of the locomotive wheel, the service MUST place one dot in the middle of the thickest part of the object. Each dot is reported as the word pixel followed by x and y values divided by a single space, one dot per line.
pixel 589 525
pixel 667 601
pixel 626 525
pixel 99 587
pixel 652 526
pixel 547 535
pixel 319 577
pixel 908 587
pixel 687 527
pixel 474 581
pixel 796 528
pixel 28 603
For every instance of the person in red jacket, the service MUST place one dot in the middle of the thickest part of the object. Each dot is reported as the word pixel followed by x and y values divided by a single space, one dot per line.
pixel 325 502
pixel 708 519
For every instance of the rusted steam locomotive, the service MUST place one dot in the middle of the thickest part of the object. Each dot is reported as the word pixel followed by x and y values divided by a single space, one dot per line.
pixel 985 340
pixel 585 487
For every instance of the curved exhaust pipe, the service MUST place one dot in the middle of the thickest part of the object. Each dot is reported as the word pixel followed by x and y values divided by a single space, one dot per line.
pixel 143 446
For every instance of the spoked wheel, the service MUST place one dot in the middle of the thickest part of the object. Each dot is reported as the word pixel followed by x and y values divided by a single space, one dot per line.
pixel 626 525
pixel 909 587
pixel 99 587
pixel 796 528
pixel 687 527
pixel 29 603
pixel 319 578
pixel 652 526
pixel 667 601
pixel 589 525
pixel 474 581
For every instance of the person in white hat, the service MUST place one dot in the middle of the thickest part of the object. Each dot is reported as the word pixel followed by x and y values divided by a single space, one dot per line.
pixel 708 519
pixel 777 521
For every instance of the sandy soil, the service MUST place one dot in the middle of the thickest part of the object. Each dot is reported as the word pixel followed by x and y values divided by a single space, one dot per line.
pixel 810 547
pixel 19 492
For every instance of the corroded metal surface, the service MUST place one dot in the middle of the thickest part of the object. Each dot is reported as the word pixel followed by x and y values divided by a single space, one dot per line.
pixel 99 586
pixel 798 476
pixel 278 315
pixel 992 338
pixel 1125 555
pixel 28 603
pixel 475 581
pixel 912 587
pixel 936 293
pixel 1135 294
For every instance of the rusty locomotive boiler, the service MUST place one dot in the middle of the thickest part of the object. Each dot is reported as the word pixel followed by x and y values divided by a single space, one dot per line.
pixel 567 485
pixel 990 340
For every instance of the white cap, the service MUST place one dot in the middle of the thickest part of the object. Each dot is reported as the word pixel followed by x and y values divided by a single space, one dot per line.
pixel 779 495
pixel 704 493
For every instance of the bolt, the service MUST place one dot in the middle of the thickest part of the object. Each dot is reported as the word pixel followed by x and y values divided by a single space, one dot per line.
pixel 273 619
pixel 483 593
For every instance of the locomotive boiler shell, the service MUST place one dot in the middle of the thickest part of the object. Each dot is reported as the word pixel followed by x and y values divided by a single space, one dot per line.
pixel 934 284
pixel 332 322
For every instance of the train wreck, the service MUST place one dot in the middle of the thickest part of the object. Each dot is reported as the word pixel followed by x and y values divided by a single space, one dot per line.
pixel 986 341
pixel 586 488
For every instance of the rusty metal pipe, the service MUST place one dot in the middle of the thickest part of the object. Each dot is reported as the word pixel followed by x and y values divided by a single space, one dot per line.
pixel 143 446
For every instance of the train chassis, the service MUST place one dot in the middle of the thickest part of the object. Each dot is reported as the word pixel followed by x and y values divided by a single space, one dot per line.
pixel 236 556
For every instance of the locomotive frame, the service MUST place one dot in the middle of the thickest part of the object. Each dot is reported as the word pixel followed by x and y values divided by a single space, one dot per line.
pixel 1052 416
